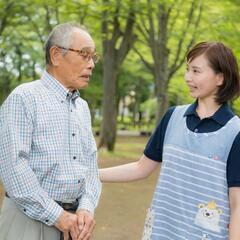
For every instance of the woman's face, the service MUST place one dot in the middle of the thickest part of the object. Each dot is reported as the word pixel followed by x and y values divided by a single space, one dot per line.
pixel 201 79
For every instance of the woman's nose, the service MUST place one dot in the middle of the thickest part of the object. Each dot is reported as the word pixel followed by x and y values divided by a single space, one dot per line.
pixel 187 76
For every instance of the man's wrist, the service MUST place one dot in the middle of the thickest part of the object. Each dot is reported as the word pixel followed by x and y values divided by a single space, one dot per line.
pixel 87 205
pixel 52 213
pixel 80 210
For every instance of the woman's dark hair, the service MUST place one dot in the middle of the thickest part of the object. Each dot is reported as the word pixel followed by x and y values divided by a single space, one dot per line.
pixel 222 60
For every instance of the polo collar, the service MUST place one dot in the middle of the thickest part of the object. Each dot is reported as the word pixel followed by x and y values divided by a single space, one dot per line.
pixel 221 116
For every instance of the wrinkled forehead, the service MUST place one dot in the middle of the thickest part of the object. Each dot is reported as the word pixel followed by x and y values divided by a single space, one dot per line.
pixel 81 39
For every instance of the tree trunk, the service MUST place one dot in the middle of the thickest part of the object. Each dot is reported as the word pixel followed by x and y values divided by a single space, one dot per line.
pixel 161 76
pixel 123 109
pixel 116 45
pixel 108 128
pixel 162 104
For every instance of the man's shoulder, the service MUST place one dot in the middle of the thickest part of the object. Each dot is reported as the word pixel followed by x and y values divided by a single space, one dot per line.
pixel 27 88
pixel 24 93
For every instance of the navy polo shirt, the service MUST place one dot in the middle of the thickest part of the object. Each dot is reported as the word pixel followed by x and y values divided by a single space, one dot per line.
pixel 154 147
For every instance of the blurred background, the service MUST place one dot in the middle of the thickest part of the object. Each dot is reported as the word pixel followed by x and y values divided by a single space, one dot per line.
pixel 142 45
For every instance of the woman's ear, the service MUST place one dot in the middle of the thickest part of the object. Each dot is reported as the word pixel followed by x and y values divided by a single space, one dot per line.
pixel 220 79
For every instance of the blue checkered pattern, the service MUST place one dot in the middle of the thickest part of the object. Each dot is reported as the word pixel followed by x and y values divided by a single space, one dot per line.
pixel 47 149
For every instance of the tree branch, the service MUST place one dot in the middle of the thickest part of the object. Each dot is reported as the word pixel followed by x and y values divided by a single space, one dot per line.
pixel 172 24
pixel 47 18
pixel 148 65
pixel 177 64
pixel 151 24
pixel 35 26
pixel 129 37
pixel 7 9
pixel 116 24
pixel 104 26
pixel 182 38
pixel 57 11
pixel 143 31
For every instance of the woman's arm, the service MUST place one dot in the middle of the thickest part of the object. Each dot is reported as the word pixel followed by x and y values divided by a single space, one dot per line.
pixel 234 226
pixel 129 172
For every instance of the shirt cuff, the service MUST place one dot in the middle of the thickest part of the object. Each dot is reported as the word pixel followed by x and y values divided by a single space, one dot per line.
pixel 51 213
pixel 86 204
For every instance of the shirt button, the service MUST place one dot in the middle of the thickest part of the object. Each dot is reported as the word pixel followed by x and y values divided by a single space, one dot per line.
pixel 24 210
pixel 74 157
pixel 196 130
pixel 47 220
pixel 73 134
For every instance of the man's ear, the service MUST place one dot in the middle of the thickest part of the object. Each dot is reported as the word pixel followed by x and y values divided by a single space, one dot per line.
pixel 220 79
pixel 55 55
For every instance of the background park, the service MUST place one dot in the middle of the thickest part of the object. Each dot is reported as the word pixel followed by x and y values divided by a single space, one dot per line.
pixel 142 44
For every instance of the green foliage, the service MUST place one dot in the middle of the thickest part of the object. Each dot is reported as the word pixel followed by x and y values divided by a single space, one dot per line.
pixel 134 77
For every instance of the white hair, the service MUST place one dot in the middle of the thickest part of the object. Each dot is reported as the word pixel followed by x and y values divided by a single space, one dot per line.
pixel 60 36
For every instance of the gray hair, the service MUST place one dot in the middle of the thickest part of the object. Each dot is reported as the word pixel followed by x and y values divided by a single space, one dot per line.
pixel 60 36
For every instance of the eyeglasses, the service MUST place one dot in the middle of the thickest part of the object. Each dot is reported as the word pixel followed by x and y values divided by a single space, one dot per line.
pixel 84 53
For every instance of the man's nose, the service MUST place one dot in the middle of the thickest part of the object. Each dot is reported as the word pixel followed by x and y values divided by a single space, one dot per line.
pixel 91 64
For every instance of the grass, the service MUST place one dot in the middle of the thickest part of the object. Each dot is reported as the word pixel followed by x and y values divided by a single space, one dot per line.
pixel 127 148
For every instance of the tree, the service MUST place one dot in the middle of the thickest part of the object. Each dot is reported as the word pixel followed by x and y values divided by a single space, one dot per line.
pixel 6 14
pixel 164 24
pixel 117 40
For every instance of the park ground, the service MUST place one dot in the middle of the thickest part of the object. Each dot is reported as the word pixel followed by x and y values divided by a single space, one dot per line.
pixel 122 208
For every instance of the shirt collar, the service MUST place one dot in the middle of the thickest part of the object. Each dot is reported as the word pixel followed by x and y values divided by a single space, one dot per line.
pixel 221 116
pixel 191 110
pixel 57 88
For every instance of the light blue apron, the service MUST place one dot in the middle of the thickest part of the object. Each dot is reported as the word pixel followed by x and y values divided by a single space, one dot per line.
pixel 191 197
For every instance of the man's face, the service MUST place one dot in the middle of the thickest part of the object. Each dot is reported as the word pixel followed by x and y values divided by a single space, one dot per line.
pixel 74 68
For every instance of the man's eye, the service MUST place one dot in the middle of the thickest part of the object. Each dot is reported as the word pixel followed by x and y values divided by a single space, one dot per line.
pixel 84 53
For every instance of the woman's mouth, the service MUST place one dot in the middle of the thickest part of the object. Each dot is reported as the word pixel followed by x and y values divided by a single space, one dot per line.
pixel 192 88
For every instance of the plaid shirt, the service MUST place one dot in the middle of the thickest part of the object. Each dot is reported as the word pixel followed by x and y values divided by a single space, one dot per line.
pixel 47 149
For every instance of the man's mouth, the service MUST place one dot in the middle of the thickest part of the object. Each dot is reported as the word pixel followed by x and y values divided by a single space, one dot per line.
pixel 86 76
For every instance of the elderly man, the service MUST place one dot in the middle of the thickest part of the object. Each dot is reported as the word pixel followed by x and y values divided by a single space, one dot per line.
pixel 48 155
